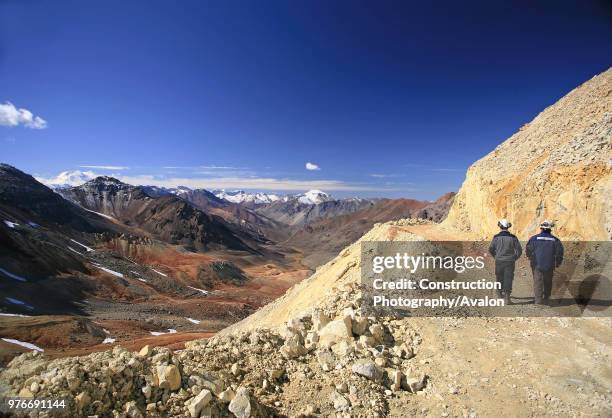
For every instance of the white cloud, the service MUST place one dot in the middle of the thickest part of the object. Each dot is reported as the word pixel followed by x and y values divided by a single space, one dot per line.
pixel 385 176
pixel 247 183
pixel 222 167
pixel 203 167
pixel 106 167
pixel 12 116
pixel 312 167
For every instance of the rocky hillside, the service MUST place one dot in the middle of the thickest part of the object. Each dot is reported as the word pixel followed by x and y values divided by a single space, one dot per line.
pixel 558 166
pixel 167 217
pixel 438 210
pixel 297 213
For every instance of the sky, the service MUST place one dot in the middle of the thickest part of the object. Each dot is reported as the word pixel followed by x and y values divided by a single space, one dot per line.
pixel 357 98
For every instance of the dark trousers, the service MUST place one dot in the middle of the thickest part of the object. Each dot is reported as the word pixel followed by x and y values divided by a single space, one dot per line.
pixel 504 273
pixel 542 285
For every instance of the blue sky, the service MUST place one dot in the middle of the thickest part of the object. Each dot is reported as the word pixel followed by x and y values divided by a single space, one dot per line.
pixel 387 98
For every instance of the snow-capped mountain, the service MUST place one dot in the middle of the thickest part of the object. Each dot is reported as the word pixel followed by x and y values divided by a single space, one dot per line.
pixel 311 197
pixel 314 197
pixel 240 196
pixel 68 179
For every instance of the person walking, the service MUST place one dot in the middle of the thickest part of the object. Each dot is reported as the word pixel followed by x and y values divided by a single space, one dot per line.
pixel 545 253
pixel 506 249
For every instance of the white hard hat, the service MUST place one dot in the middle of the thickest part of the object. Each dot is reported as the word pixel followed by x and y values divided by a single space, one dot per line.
pixel 547 224
pixel 503 223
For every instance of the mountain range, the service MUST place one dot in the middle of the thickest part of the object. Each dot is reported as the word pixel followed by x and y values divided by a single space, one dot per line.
pixel 139 258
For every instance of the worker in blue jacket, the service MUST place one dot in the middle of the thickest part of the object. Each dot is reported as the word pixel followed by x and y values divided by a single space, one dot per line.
pixel 506 249
pixel 545 252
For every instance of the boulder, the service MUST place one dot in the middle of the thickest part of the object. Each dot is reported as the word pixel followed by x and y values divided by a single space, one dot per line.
pixel 168 377
pixel 336 331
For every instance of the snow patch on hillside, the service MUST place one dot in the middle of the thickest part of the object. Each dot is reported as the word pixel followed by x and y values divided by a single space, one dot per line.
pixel 114 273
pixel 159 272
pixel 158 333
pixel 29 346
pixel 11 224
pixel 83 245
pixel 12 276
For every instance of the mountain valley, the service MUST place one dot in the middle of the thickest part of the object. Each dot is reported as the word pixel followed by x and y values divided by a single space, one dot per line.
pixel 108 262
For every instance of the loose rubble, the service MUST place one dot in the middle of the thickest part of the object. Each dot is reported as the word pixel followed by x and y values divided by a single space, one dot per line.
pixel 352 364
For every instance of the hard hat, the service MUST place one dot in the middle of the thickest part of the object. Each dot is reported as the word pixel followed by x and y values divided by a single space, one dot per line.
pixel 547 224
pixel 503 223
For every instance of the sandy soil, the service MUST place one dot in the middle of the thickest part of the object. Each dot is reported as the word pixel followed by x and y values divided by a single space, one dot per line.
pixel 513 367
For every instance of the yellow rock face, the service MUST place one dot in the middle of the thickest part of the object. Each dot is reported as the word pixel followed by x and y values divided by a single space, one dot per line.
pixel 557 167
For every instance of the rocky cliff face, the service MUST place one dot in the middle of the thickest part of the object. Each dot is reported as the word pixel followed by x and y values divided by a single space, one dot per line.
pixel 556 167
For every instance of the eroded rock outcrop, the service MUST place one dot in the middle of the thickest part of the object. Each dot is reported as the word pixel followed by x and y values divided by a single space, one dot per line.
pixel 558 166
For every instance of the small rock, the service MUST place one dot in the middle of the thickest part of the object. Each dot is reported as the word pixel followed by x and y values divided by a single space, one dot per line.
pixel 235 369
pixel 396 380
pixel 132 410
pixel 199 402
pixel 413 384
pixel 145 351
pixel 342 349
pixel 367 341
pixel 146 391
pixel 326 360
pixel 227 395
pixel 360 325
pixel 309 410
pixel 342 387
pixel 378 332
pixel 34 387
pixel 82 400
pixel 380 361
pixel 240 406
pixel 367 369
pixel 339 401
pixel 319 320
pixel 293 347
pixel 276 374
pixel 25 393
